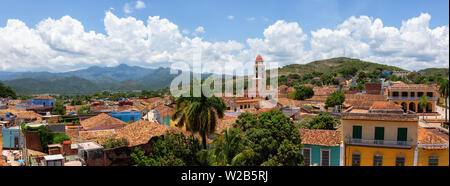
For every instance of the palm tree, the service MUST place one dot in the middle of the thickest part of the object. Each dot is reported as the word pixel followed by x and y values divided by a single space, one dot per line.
pixel 423 103
pixel 199 114
pixel 228 149
pixel 443 89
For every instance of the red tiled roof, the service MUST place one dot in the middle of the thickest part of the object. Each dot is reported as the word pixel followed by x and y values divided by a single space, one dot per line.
pixel 385 105
pixel 44 97
pixel 102 122
pixel 320 137
pixel 432 136
pixel 259 59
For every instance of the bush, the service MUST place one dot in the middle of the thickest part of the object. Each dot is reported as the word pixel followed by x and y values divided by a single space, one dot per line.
pixel 303 92
pixel 114 143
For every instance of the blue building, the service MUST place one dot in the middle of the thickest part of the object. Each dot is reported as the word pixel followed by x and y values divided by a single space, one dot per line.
pixel 322 147
pixel 46 101
pixel 127 116
pixel 12 138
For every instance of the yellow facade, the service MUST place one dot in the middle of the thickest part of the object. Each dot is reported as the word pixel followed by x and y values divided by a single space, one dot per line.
pixel 367 155
pixel 424 156
pixel 391 127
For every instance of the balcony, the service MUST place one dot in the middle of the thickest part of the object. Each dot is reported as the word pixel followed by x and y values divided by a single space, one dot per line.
pixel 379 143
pixel 413 98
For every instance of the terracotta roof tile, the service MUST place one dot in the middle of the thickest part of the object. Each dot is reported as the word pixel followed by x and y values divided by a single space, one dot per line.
pixel 385 105
pixel 432 136
pixel 320 137
pixel 44 97
pixel 102 122
pixel 142 131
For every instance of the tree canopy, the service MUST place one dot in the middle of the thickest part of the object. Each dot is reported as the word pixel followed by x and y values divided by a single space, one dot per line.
pixel 335 98
pixel 303 92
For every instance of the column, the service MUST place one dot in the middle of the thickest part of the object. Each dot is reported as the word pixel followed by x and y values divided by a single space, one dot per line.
pixel 416 153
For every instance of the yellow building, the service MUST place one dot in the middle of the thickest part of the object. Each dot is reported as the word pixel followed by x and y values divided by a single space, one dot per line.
pixel 432 148
pixel 382 135
pixel 408 96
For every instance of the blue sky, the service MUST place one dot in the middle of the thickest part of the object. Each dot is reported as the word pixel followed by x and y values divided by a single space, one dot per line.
pixel 212 14
pixel 55 35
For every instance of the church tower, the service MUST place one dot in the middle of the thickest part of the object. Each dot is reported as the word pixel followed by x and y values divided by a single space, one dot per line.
pixel 259 74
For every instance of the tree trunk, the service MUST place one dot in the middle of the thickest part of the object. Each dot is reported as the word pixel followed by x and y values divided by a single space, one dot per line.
pixel 445 102
pixel 205 163
pixel 203 141
pixel 423 114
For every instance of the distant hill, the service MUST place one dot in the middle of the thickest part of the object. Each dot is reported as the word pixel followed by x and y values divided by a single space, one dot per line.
pixel 333 65
pixel 443 72
pixel 65 85
pixel 129 78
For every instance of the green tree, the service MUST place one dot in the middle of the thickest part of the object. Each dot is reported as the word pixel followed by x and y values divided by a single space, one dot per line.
pixel 303 92
pixel 245 121
pixel 443 89
pixel 323 121
pixel 199 114
pixel 115 143
pixel 423 103
pixel 59 108
pixel 266 137
pixel 6 92
pixel 170 150
pixel 228 149
pixel 335 98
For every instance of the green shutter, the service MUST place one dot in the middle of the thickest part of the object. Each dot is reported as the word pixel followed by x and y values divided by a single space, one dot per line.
pixel 402 134
pixel 357 132
pixel 379 133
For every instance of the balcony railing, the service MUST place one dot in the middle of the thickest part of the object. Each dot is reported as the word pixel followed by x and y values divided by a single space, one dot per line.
pixel 386 143
pixel 413 98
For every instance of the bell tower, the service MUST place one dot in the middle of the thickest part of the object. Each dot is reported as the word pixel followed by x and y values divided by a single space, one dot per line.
pixel 259 78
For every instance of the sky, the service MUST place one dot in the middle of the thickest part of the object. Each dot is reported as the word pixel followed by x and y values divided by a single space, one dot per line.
pixel 57 36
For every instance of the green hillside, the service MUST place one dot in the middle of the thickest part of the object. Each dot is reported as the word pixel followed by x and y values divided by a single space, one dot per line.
pixel 438 72
pixel 334 65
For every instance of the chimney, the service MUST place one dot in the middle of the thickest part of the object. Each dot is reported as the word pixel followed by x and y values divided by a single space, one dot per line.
pixel 66 147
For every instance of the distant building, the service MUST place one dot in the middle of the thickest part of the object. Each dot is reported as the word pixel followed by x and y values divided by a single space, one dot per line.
pixel 382 135
pixel 46 101
pixel 321 147
pixel 409 95
pixel 400 73
pixel 12 139
pixel 127 116
pixel 373 88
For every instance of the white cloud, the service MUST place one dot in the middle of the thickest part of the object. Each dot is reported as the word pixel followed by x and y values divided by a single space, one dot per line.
pixel 250 18
pixel 64 44
pixel 200 29
pixel 230 17
pixel 140 4
pixel 127 8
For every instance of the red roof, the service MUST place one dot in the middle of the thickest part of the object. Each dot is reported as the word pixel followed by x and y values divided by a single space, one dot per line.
pixel 259 59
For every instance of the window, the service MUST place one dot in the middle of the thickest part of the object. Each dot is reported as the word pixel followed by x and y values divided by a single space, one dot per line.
pixel 400 161
pixel 419 94
pixel 379 135
pixel 433 161
pixel 412 94
pixel 307 156
pixel 324 157
pixel 377 160
pixel 402 135
pixel 357 132
pixel 356 159
pixel 394 94
pixel 404 94
pixel 430 94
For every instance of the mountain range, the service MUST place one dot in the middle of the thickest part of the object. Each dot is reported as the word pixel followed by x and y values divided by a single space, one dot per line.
pixel 128 78
pixel 86 81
